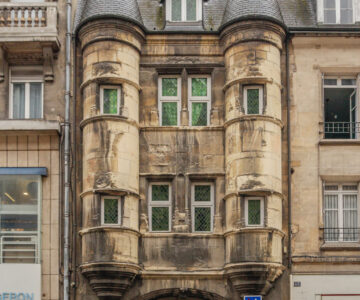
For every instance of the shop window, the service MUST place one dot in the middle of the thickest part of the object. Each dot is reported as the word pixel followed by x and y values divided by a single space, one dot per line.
pixel 20 206
pixel 110 100
pixel 341 212
pixel 338 12
pixel 26 93
pixel 254 211
pixel 253 100
pixel 160 207
pixel 199 88
pixel 169 100
pixel 110 210
pixel 184 10
pixel 340 108
pixel 202 203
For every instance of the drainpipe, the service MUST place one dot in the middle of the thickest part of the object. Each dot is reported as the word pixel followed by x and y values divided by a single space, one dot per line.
pixel 67 151
pixel 288 150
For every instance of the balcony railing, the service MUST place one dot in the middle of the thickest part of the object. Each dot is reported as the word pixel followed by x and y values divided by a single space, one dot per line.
pixel 341 234
pixel 341 130
pixel 28 22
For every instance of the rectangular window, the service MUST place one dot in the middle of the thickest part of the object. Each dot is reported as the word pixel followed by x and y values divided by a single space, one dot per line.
pixel 169 100
pixel 254 211
pixel 341 213
pixel 202 200
pixel 110 210
pixel 338 12
pixel 340 108
pixel 184 10
pixel 110 100
pixel 26 94
pixel 253 100
pixel 20 204
pixel 160 207
pixel 199 100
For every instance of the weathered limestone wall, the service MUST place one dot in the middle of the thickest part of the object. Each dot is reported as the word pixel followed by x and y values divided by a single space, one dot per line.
pixel 36 149
pixel 314 159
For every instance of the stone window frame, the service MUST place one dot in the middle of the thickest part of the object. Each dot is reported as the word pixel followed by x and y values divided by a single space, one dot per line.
pixel 262 211
pixel 321 17
pixel 27 79
pixel 119 199
pixel 168 204
pixel 192 99
pixel 176 99
pixel 195 204
pixel 199 6
pixel 261 88
pixel 119 89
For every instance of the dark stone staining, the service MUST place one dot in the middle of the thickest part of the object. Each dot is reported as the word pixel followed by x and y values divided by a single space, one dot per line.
pixel 103 68
pixel 99 247
pixel 251 184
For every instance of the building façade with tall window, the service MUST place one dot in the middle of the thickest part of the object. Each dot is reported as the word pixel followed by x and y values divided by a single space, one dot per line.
pixel 215 149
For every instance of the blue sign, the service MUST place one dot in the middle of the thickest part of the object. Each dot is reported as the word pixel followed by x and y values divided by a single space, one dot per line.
pixel 253 298
pixel 16 296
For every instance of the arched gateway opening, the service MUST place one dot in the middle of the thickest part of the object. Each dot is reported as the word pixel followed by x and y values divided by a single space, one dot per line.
pixel 180 293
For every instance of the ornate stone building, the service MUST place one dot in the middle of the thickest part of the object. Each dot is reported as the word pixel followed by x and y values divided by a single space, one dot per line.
pixel 218 149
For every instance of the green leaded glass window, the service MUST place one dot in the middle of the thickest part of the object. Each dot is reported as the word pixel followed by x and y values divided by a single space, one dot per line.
pixel 110 101
pixel 160 218
pixel 191 10
pixel 253 101
pixel 176 10
pixel 169 113
pixel 199 114
pixel 202 193
pixel 111 211
pixel 199 87
pixel 254 212
pixel 202 219
pixel 169 87
pixel 160 192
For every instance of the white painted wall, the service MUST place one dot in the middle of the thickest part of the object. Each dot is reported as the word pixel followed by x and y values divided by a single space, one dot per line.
pixel 326 287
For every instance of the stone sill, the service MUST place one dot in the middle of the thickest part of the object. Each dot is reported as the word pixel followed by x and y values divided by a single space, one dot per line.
pixel 182 128
pixel 341 142
pixel 29 125
pixel 340 246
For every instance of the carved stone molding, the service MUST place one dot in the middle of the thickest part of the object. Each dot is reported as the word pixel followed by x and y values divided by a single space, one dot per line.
pixel 48 64
pixel 253 278
pixel 2 65
pixel 110 280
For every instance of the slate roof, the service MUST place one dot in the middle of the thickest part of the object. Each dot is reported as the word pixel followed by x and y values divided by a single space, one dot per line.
pixel 150 14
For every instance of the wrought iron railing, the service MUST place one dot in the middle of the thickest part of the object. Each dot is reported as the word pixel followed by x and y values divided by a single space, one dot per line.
pixel 341 130
pixel 341 234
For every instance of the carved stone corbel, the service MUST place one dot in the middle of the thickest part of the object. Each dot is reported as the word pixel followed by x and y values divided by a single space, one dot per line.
pixel 2 64
pixel 48 64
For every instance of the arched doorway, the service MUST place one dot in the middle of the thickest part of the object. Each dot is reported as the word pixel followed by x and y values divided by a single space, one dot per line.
pixel 181 294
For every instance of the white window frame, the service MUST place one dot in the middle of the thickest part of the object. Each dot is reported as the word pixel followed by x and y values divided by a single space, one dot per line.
pixel 152 204
pixel 110 87
pixel 26 80
pixel 183 11
pixel 261 98
pixel 202 99
pixel 195 204
pixel 103 198
pixel 176 99
pixel 321 12
pixel 340 192
pixel 262 212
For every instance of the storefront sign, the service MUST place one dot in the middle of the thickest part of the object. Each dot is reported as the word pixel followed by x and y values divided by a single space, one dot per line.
pixel 20 282
pixel 252 297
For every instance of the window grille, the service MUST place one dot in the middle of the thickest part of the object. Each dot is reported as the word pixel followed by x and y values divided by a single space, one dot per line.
pixel 160 207
pixel 254 211
pixel 110 210
pixel 202 195
pixel 199 100
pixel 253 100
pixel 110 100
pixel 169 100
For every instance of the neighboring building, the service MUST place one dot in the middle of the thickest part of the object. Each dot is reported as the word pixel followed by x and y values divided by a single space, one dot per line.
pixel 31 111
pixel 183 107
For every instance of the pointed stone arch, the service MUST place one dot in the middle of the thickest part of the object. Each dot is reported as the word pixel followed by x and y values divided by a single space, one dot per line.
pixel 180 293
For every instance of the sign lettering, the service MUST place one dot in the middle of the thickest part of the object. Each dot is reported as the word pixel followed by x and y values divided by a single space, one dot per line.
pixel 17 296
pixel 253 298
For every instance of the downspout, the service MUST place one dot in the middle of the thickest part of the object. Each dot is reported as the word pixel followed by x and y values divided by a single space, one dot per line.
pixel 289 151
pixel 67 151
